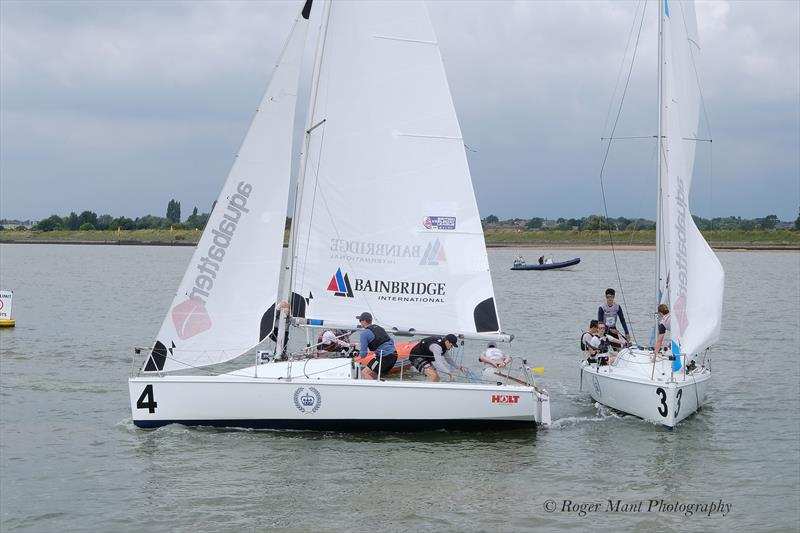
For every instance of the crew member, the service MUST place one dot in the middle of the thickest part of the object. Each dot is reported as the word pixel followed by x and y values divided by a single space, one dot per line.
pixel 431 355
pixel 374 338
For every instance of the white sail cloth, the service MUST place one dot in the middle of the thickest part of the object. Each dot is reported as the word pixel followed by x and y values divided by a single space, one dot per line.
pixel 387 219
pixel 695 277
pixel 220 309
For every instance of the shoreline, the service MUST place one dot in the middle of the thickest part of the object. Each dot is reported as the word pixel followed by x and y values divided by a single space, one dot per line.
pixel 721 246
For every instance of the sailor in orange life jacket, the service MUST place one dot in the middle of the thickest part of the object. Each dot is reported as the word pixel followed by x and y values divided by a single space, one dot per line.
pixel 431 355
pixel 333 341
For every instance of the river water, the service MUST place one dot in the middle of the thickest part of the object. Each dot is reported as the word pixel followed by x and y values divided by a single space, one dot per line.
pixel 71 460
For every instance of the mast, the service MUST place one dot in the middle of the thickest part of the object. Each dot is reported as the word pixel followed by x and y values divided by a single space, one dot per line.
pixel 310 127
pixel 660 158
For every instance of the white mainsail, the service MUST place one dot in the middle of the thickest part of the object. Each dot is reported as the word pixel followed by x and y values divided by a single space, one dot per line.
pixel 388 221
pixel 222 307
pixel 694 273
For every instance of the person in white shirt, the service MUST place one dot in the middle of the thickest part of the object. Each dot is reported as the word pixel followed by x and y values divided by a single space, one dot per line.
pixel 493 359
pixel 332 342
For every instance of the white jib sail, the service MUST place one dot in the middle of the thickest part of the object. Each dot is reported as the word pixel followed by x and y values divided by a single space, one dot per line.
pixel 220 309
pixel 388 221
pixel 696 278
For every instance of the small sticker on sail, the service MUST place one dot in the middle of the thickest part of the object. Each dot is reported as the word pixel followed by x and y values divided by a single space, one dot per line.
pixel 439 222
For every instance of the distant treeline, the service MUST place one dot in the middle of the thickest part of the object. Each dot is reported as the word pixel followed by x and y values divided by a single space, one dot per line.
pixel 598 222
pixel 89 220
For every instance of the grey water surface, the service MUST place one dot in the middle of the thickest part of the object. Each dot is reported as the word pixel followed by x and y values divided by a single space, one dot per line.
pixel 71 460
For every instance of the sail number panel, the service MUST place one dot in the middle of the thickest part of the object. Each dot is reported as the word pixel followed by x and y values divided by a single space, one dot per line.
pixel 147 400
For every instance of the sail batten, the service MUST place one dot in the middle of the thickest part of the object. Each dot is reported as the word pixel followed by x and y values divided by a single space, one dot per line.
pixel 232 279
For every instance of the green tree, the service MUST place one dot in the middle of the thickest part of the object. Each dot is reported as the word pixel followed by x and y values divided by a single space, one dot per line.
pixel 151 222
pixel 86 226
pixel 122 223
pixel 797 222
pixel 594 222
pixel 535 223
pixel 769 222
pixel 87 216
pixel 491 219
pixel 104 222
pixel 72 221
pixel 51 223
pixel 174 211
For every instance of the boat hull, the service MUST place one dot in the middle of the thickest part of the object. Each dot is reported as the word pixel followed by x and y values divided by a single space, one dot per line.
pixel 666 400
pixel 238 400
pixel 548 266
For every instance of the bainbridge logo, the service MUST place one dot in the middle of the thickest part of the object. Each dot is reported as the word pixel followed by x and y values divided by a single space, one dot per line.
pixel 505 398
pixel 340 285
pixel 434 254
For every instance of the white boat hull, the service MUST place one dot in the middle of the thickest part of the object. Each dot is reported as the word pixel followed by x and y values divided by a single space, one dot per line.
pixel 665 398
pixel 319 396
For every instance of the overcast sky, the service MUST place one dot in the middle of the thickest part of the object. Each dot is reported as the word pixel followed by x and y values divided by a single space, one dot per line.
pixel 116 107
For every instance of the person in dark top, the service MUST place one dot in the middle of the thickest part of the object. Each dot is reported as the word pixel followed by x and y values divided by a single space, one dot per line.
pixel 611 312
pixel 431 355
pixel 374 338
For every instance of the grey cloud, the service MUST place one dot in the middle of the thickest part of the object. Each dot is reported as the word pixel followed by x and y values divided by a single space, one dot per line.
pixel 118 106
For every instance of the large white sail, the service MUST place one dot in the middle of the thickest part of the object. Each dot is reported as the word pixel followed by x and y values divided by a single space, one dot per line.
pixel 695 275
pixel 388 221
pixel 223 305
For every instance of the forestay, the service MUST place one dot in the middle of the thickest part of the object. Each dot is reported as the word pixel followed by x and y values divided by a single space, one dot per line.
pixel 232 279
pixel 694 273
pixel 387 220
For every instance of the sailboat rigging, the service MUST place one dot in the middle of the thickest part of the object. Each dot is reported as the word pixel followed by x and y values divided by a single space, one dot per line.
pixel 381 122
pixel 666 388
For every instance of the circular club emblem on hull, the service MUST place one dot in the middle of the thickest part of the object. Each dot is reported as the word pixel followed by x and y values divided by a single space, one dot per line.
pixel 307 400
pixel 596 386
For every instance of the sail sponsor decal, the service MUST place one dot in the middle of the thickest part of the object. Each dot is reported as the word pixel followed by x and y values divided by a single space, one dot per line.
pixel 505 399
pixel 191 317
pixel 307 403
pixel 681 259
pixel 389 253
pixel 388 290
pixel 439 222
pixel 340 284
pixel 434 254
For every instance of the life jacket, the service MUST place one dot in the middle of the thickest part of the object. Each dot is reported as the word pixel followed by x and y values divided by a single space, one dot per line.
pixel 603 348
pixel 380 336
pixel 422 348
pixel 583 344
pixel 610 315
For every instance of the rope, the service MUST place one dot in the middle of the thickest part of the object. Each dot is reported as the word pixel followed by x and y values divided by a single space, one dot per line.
pixel 605 160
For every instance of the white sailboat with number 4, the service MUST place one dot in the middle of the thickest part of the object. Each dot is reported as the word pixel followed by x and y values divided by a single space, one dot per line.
pixel 385 221
pixel 669 386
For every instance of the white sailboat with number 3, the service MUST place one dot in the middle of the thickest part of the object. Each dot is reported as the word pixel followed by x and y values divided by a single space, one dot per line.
pixel 671 386
pixel 385 221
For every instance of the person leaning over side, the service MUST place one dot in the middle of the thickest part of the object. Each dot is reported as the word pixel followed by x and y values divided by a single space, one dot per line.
pixel 493 359
pixel 374 338
pixel 431 355
pixel 333 341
